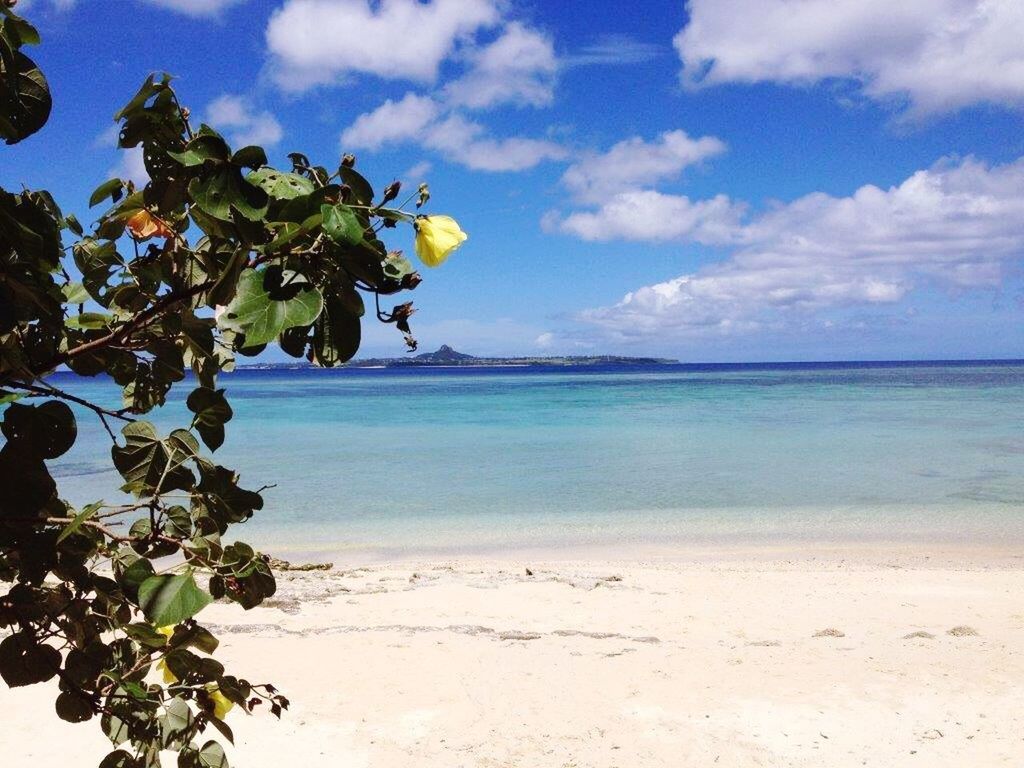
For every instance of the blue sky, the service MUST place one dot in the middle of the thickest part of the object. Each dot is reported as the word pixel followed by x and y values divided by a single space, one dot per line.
pixel 712 180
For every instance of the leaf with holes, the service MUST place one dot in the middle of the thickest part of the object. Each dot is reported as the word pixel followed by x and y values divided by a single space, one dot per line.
pixel 269 301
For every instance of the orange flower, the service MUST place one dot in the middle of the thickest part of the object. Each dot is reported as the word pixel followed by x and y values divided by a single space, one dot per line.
pixel 144 225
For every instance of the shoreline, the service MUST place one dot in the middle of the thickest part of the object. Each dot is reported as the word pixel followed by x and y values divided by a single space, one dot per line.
pixel 885 553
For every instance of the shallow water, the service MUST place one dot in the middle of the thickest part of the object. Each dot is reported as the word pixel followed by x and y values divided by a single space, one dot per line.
pixel 450 459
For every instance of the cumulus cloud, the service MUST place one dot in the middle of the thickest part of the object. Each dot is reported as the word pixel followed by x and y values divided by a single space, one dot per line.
pixel 417 173
pixel 465 142
pixel 939 55
pixel 615 182
pixel 392 121
pixel 519 67
pixel 314 42
pixel 421 120
pixel 612 49
pixel 647 215
pixel 958 225
pixel 634 163
pixel 131 165
pixel 244 125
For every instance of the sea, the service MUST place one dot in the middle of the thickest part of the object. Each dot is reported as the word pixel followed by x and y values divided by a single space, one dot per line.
pixel 399 462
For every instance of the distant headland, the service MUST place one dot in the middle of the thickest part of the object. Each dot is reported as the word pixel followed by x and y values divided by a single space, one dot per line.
pixel 448 357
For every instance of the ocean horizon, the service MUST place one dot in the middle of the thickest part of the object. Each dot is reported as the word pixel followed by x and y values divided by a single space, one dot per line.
pixel 403 461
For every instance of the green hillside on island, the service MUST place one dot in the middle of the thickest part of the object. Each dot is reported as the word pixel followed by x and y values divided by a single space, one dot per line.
pixel 447 356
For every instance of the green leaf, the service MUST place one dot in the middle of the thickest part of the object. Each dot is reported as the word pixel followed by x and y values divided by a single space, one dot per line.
pixel 176 723
pixel 223 190
pixel 170 599
pixel 81 517
pixel 280 185
pixel 112 188
pixel 341 224
pixel 249 157
pixel 362 192
pixel 148 89
pixel 26 483
pixel 119 758
pixel 18 30
pixel 201 149
pixel 23 661
pixel 25 101
pixel 212 756
pixel 224 500
pixel 146 635
pixel 145 460
pixel 75 293
pixel 71 222
pixel 269 301
pixel 89 321
pixel 396 266
pixel 212 412
pixel 46 431
pixel 134 574
pixel 336 334
pixel 74 707
pixel 393 214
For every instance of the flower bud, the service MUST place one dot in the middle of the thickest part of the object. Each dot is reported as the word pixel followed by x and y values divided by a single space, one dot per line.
pixel 391 191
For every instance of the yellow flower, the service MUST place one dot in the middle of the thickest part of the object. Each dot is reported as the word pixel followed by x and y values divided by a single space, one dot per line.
pixel 221 704
pixel 436 237
pixel 168 676
pixel 161 665
pixel 144 225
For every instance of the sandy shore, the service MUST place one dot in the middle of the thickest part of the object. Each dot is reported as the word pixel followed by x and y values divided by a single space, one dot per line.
pixel 872 656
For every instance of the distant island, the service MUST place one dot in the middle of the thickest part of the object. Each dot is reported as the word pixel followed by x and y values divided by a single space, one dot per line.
pixel 447 357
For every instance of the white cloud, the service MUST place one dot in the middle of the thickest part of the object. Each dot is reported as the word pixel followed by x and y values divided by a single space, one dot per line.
pixel 131 166
pixel 320 41
pixel 545 340
pixel 196 7
pixel 958 225
pixel 518 68
pixel 417 173
pixel 647 215
pixel 417 119
pixel 108 137
pixel 634 163
pixel 466 142
pixel 941 55
pixel 614 49
pixel 235 116
pixel 392 121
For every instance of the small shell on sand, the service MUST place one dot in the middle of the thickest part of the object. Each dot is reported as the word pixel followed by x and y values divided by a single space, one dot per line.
pixel 920 634
pixel 830 632
pixel 962 631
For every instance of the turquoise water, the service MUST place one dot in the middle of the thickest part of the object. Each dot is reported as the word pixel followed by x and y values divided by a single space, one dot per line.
pixel 440 459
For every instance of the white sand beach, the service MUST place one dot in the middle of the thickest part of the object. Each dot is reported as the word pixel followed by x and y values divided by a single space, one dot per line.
pixel 866 656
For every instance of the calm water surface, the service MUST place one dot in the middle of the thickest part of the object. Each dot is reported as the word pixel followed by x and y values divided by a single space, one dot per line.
pixel 445 459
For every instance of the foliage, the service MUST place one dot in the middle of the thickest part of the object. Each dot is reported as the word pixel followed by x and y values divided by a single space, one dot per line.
pixel 217 256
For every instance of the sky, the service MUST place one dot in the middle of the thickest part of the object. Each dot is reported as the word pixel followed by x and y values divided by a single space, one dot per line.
pixel 714 180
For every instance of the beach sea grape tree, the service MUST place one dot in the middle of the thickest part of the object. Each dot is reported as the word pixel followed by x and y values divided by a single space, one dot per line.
pixel 217 256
